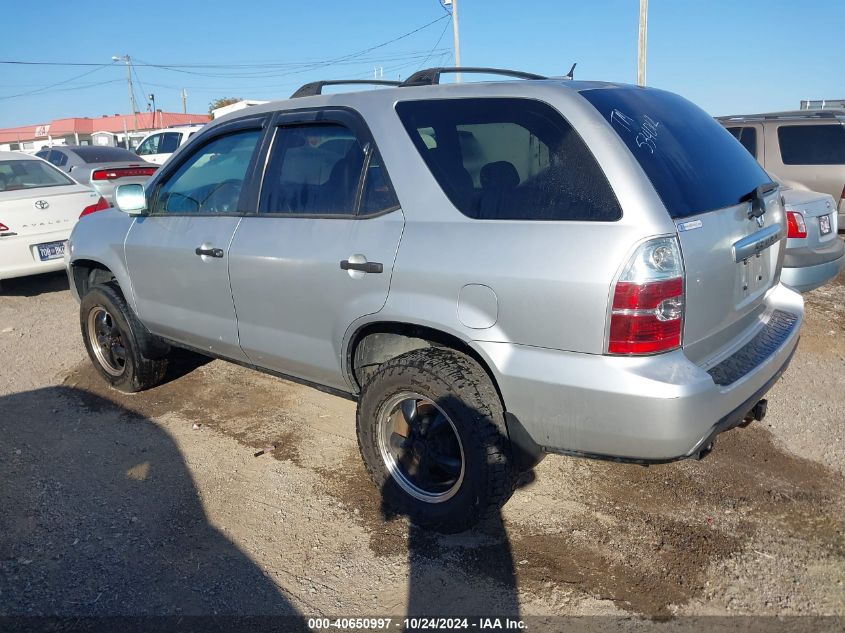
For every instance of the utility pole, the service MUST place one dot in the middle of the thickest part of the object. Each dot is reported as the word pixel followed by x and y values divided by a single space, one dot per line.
pixel 456 35
pixel 642 42
pixel 184 101
pixel 128 61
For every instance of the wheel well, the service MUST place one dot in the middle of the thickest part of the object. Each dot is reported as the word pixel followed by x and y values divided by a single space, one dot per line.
pixel 88 273
pixel 377 343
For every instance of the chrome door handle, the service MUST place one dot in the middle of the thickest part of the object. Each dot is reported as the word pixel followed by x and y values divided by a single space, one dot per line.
pixel 211 252
pixel 364 267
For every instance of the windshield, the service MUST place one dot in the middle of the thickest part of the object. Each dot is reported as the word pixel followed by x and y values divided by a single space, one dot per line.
pixel 30 174
pixel 694 164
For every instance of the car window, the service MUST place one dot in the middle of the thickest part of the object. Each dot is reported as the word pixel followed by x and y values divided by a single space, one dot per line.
pixel 378 194
pixel 104 154
pixel 210 180
pixel 690 159
pixel 812 144
pixel 169 142
pixel 30 174
pixel 149 146
pixel 509 159
pixel 313 169
pixel 59 159
pixel 747 136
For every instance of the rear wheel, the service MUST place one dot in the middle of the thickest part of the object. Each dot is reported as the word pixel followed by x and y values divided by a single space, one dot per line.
pixel 116 341
pixel 432 434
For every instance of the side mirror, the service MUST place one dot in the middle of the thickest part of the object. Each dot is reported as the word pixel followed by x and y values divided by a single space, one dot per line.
pixel 130 199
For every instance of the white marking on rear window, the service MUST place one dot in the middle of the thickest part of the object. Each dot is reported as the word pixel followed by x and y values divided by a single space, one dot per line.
pixel 646 133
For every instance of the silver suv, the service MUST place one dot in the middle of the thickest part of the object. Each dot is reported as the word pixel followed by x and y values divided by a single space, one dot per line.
pixel 494 271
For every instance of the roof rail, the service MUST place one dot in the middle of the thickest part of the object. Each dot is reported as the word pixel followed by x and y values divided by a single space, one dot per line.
pixel 793 114
pixel 316 87
pixel 431 76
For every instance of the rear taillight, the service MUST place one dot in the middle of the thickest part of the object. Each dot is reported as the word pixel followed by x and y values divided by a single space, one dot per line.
pixel 122 172
pixel 647 310
pixel 3 228
pixel 795 224
pixel 101 205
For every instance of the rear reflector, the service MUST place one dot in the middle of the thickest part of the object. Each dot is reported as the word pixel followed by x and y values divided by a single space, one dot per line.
pixel 795 224
pixel 647 310
pixel 122 172
pixel 101 205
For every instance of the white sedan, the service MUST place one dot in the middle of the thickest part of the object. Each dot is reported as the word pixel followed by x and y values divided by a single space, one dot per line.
pixel 39 206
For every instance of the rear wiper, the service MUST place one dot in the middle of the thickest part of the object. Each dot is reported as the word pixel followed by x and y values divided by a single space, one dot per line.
pixel 756 197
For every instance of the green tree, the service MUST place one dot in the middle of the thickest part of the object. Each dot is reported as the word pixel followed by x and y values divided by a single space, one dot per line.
pixel 222 101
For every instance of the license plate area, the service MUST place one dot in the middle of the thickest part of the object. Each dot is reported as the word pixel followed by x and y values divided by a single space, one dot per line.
pixel 824 224
pixel 51 250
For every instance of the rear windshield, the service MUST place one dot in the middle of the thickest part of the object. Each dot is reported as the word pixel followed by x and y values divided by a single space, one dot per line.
pixel 29 174
pixel 812 144
pixel 96 154
pixel 693 162
pixel 509 159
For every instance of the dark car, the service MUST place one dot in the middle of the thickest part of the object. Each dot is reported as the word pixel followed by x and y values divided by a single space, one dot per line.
pixel 100 167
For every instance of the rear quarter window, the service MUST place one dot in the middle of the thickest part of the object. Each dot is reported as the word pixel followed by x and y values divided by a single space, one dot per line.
pixel 509 159
pixel 691 160
pixel 812 144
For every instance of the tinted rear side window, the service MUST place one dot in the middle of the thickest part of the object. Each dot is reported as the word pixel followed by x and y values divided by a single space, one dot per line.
pixel 509 159
pixel 691 160
pixel 95 154
pixel 169 142
pixel 812 144
pixel 747 136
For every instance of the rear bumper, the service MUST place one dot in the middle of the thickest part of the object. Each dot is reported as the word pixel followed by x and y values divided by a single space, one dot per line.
pixel 806 278
pixel 19 255
pixel 651 409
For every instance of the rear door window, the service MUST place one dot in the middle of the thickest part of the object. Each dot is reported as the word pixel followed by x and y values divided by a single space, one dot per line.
pixel 747 136
pixel 317 169
pixel 812 144
pixel 690 159
pixel 169 142
pixel 509 159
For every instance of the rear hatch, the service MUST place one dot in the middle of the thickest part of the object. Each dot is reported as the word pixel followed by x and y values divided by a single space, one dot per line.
pixel 729 217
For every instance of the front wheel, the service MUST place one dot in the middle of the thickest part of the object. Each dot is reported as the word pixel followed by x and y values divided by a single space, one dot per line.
pixel 114 338
pixel 431 431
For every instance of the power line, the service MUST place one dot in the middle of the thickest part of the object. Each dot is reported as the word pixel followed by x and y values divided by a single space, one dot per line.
pixel 437 43
pixel 58 83
pixel 272 65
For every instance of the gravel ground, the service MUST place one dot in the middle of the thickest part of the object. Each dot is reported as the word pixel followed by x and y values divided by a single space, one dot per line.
pixel 155 503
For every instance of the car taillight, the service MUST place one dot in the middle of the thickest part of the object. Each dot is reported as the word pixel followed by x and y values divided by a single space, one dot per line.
pixel 101 205
pixel 795 224
pixel 3 228
pixel 122 172
pixel 647 310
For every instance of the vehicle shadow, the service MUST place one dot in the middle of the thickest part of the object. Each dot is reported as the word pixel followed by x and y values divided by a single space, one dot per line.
pixel 450 574
pixel 101 518
pixel 34 285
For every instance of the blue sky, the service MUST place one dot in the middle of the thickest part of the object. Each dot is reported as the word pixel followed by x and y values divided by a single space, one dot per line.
pixel 729 57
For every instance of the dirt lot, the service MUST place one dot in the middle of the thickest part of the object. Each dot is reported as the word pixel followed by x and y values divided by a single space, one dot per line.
pixel 116 504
